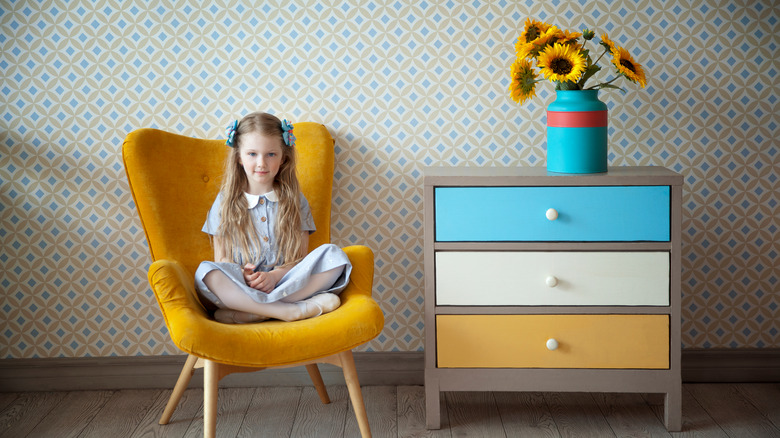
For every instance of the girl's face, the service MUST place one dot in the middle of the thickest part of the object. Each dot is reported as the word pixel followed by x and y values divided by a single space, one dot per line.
pixel 261 157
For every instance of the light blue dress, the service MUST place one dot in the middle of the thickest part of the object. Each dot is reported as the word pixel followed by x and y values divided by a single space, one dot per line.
pixel 263 210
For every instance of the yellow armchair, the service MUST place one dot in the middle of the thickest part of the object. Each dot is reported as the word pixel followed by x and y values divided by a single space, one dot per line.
pixel 174 179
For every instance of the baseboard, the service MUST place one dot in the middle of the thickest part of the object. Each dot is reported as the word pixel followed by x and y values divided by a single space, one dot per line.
pixel 381 368
pixel 140 372
pixel 735 366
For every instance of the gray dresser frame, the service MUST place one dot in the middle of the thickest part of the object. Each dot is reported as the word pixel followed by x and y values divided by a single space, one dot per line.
pixel 667 381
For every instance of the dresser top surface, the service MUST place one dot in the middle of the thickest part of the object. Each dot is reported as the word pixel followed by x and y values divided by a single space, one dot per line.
pixel 621 175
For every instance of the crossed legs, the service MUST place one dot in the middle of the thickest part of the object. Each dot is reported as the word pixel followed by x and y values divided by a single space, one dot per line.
pixel 298 305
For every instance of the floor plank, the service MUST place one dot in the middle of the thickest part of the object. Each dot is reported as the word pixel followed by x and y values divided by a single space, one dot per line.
pixel 732 411
pixel 26 411
pixel 6 398
pixel 189 407
pixel 765 397
pixel 314 418
pixel 382 411
pixel 411 414
pixel 577 415
pixel 525 414
pixel 232 404
pixel 271 412
pixel 473 414
pixel 121 414
pixel 232 409
pixel 696 422
pixel 72 414
pixel 629 415
pixel 709 410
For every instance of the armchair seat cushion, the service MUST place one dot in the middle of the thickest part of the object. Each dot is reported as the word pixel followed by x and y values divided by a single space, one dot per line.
pixel 270 343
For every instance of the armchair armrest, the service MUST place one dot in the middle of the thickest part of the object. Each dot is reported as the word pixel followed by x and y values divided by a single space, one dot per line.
pixel 174 289
pixel 362 276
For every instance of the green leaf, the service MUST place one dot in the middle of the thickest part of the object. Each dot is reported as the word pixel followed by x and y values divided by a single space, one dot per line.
pixel 568 85
pixel 589 71
pixel 586 55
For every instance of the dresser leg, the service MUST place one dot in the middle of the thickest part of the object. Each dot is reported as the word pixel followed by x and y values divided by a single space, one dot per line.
pixel 432 404
pixel 673 410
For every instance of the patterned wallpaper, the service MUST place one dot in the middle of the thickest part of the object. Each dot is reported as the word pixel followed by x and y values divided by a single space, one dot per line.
pixel 401 85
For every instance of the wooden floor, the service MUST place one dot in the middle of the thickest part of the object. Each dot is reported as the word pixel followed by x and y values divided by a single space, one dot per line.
pixel 709 410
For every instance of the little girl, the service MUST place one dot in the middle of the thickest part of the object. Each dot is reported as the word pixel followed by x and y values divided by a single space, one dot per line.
pixel 260 225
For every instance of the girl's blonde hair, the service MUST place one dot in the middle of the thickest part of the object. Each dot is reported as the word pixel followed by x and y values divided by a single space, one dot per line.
pixel 237 231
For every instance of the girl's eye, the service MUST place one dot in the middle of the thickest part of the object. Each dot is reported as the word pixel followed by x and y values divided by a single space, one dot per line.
pixel 252 154
pixel 272 154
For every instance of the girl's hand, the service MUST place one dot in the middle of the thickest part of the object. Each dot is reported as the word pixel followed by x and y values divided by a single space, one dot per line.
pixel 249 274
pixel 262 281
pixel 265 282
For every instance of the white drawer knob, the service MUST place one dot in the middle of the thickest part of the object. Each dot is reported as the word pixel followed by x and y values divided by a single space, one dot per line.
pixel 552 344
pixel 551 281
pixel 551 214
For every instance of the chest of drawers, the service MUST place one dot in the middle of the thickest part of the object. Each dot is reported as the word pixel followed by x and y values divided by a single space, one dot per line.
pixel 537 282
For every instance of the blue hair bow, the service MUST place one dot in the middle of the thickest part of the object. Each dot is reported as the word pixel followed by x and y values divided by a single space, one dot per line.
pixel 230 132
pixel 287 135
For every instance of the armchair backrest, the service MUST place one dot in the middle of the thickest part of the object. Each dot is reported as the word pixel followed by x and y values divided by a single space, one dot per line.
pixel 174 179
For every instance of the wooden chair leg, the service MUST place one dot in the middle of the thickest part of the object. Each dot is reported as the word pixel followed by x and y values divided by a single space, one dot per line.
pixel 181 385
pixel 355 395
pixel 316 378
pixel 210 391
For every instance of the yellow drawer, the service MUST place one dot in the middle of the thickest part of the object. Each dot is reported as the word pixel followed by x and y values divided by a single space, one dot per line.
pixel 529 341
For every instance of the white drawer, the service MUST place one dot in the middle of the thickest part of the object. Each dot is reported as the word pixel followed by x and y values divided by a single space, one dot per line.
pixel 552 278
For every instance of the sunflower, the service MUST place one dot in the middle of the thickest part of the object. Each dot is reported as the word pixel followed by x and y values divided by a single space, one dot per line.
pixel 545 40
pixel 607 43
pixel 523 82
pixel 531 32
pixel 563 58
pixel 561 63
pixel 588 34
pixel 531 48
pixel 565 37
pixel 626 66
pixel 533 29
pixel 523 50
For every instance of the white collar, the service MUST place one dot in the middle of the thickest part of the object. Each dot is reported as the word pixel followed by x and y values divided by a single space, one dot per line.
pixel 252 200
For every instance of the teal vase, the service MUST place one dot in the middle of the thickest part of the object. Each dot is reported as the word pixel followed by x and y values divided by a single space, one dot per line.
pixel 577 132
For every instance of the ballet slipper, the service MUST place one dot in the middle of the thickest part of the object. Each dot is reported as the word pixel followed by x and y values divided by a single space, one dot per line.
pixel 327 302
pixel 318 305
pixel 228 316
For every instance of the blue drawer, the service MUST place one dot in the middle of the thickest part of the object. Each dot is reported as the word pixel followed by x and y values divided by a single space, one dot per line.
pixel 585 214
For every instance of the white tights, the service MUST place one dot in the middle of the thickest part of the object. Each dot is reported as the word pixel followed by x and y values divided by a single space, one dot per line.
pixel 298 305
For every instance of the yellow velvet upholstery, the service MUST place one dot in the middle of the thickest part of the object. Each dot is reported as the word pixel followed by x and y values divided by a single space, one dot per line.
pixel 174 180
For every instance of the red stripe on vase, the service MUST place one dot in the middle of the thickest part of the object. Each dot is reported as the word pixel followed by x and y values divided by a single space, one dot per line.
pixel 577 119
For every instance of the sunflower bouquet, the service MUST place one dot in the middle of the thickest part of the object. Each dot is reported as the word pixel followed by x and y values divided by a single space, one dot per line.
pixel 563 59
